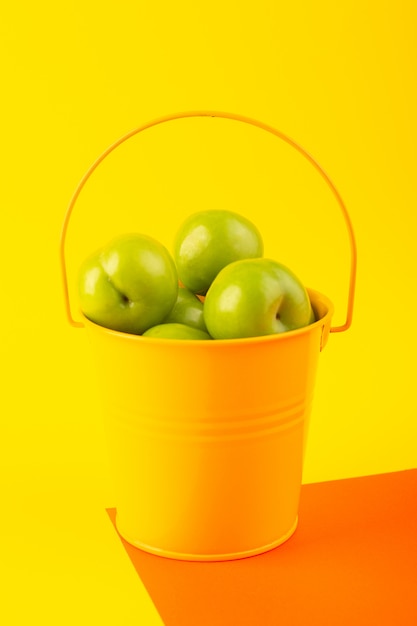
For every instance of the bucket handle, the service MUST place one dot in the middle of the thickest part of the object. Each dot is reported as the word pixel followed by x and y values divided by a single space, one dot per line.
pixel 230 116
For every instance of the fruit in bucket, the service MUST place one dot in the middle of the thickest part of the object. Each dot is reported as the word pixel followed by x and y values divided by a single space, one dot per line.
pixel 188 309
pixel 128 285
pixel 173 330
pixel 256 297
pixel 209 240
pixel 132 284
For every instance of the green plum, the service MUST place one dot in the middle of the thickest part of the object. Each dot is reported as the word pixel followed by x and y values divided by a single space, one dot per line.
pixel 188 309
pixel 209 240
pixel 256 297
pixel 176 331
pixel 128 285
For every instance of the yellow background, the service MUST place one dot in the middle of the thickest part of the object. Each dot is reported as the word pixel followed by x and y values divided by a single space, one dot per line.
pixel 340 79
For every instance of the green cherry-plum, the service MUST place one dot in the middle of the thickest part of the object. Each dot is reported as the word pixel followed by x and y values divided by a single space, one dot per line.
pixel 255 297
pixel 188 309
pixel 209 240
pixel 128 285
pixel 176 331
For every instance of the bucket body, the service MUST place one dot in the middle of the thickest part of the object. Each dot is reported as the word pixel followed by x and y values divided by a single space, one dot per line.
pixel 207 438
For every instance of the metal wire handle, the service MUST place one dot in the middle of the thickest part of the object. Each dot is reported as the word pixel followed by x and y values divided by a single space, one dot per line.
pixel 230 116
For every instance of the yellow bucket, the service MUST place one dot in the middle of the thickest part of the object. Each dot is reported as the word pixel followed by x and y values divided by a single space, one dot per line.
pixel 212 472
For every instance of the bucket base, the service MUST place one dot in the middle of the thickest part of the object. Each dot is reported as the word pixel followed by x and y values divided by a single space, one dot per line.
pixel 208 557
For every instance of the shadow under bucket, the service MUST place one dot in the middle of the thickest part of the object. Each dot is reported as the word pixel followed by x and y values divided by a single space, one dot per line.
pixel 206 439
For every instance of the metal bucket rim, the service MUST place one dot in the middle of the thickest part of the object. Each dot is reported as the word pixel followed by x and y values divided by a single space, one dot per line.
pixel 217 344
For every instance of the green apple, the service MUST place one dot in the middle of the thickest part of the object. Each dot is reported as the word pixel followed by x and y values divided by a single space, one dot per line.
pixel 256 297
pixel 128 285
pixel 209 240
pixel 188 309
pixel 176 331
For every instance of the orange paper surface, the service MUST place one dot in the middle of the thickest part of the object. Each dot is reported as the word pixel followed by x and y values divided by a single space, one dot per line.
pixel 352 560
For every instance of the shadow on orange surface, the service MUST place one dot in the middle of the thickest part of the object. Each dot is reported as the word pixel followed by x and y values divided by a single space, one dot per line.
pixel 353 559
